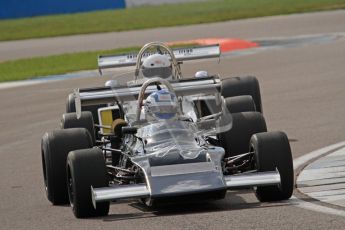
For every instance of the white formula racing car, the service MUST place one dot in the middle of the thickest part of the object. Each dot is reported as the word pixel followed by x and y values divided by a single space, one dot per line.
pixel 164 138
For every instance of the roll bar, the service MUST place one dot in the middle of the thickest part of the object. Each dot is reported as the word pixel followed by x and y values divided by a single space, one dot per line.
pixel 175 65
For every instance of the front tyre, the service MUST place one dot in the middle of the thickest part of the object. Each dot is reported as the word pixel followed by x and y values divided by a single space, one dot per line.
pixel 272 151
pixel 55 147
pixel 86 168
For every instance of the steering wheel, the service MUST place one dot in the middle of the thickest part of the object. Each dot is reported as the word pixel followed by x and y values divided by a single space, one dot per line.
pixel 159 46
pixel 141 96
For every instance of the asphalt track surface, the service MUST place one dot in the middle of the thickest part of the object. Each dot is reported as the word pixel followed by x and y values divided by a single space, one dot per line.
pixel 302 92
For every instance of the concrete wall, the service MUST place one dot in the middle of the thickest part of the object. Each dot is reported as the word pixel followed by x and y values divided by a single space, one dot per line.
pixel 29 8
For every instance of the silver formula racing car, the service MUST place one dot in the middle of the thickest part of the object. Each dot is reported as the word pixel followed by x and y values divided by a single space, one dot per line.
pixel 162 137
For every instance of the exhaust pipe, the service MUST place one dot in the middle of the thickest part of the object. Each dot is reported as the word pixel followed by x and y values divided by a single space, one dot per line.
pixel 252 179
pixel 118 192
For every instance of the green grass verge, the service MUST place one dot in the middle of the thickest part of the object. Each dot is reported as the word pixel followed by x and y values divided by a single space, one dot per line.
pixel 156 16
pixel 31 68
pixel 23 69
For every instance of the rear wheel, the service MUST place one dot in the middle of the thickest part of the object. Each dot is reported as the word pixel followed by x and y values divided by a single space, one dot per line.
pixel 244 125
pixel 55 147
pixel 70 120
pixel 237 86
pixel 86 168
pixel 240 104
pixel 70 104
pixel 272 151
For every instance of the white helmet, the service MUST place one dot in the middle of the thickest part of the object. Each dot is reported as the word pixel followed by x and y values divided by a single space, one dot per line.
pixel 111 83
pixel 161 105
pixel 157 65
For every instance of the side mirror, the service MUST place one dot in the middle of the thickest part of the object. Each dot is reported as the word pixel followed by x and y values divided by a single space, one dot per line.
pixel 129 130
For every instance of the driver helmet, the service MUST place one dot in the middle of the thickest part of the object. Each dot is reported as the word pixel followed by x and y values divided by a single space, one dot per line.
pixel 161 104
pixel 157 65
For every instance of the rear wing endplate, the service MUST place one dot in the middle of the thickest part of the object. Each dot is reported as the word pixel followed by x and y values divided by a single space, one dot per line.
pixel 181 54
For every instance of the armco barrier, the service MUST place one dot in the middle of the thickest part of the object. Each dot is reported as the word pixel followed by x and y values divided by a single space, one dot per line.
pixel 28 8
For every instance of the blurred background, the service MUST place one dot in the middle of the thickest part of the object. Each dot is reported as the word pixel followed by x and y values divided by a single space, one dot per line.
pixel 29 8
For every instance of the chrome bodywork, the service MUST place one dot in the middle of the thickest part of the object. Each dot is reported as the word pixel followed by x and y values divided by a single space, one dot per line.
pixel 183 179
pixel 174 173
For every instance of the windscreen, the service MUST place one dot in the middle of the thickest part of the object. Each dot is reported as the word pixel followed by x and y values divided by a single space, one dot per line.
pixel 172 137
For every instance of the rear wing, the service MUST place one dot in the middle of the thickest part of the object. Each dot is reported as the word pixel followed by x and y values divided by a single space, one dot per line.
pixel 181 54
pixel 96 96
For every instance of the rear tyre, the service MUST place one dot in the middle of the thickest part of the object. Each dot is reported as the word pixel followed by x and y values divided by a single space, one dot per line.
pixel 70 120
pixel 240 104
pixel 55 147
pixel 244 125
pixel 272 151
pixel 86 168
pixel 238 86
pixel 70 104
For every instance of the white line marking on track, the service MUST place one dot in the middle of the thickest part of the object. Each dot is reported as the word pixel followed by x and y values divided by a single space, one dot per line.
pixel 301 161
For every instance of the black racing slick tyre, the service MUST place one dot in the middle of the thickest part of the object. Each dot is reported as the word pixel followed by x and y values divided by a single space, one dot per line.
pixel 70 104
pixel 86 168
pixel 244 125
pixel 272 151
pixel 237 104
pixel 70 120
pixel 55 147
pixel 237 86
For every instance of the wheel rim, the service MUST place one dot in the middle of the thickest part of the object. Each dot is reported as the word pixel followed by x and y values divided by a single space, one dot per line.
pixel 256 166
pixel 44 172
pixel 70 188
pixel 254 162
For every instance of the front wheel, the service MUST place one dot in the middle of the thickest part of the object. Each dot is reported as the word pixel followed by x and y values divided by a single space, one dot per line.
pixel 272 152
pixel 55 147
pixel 86 168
